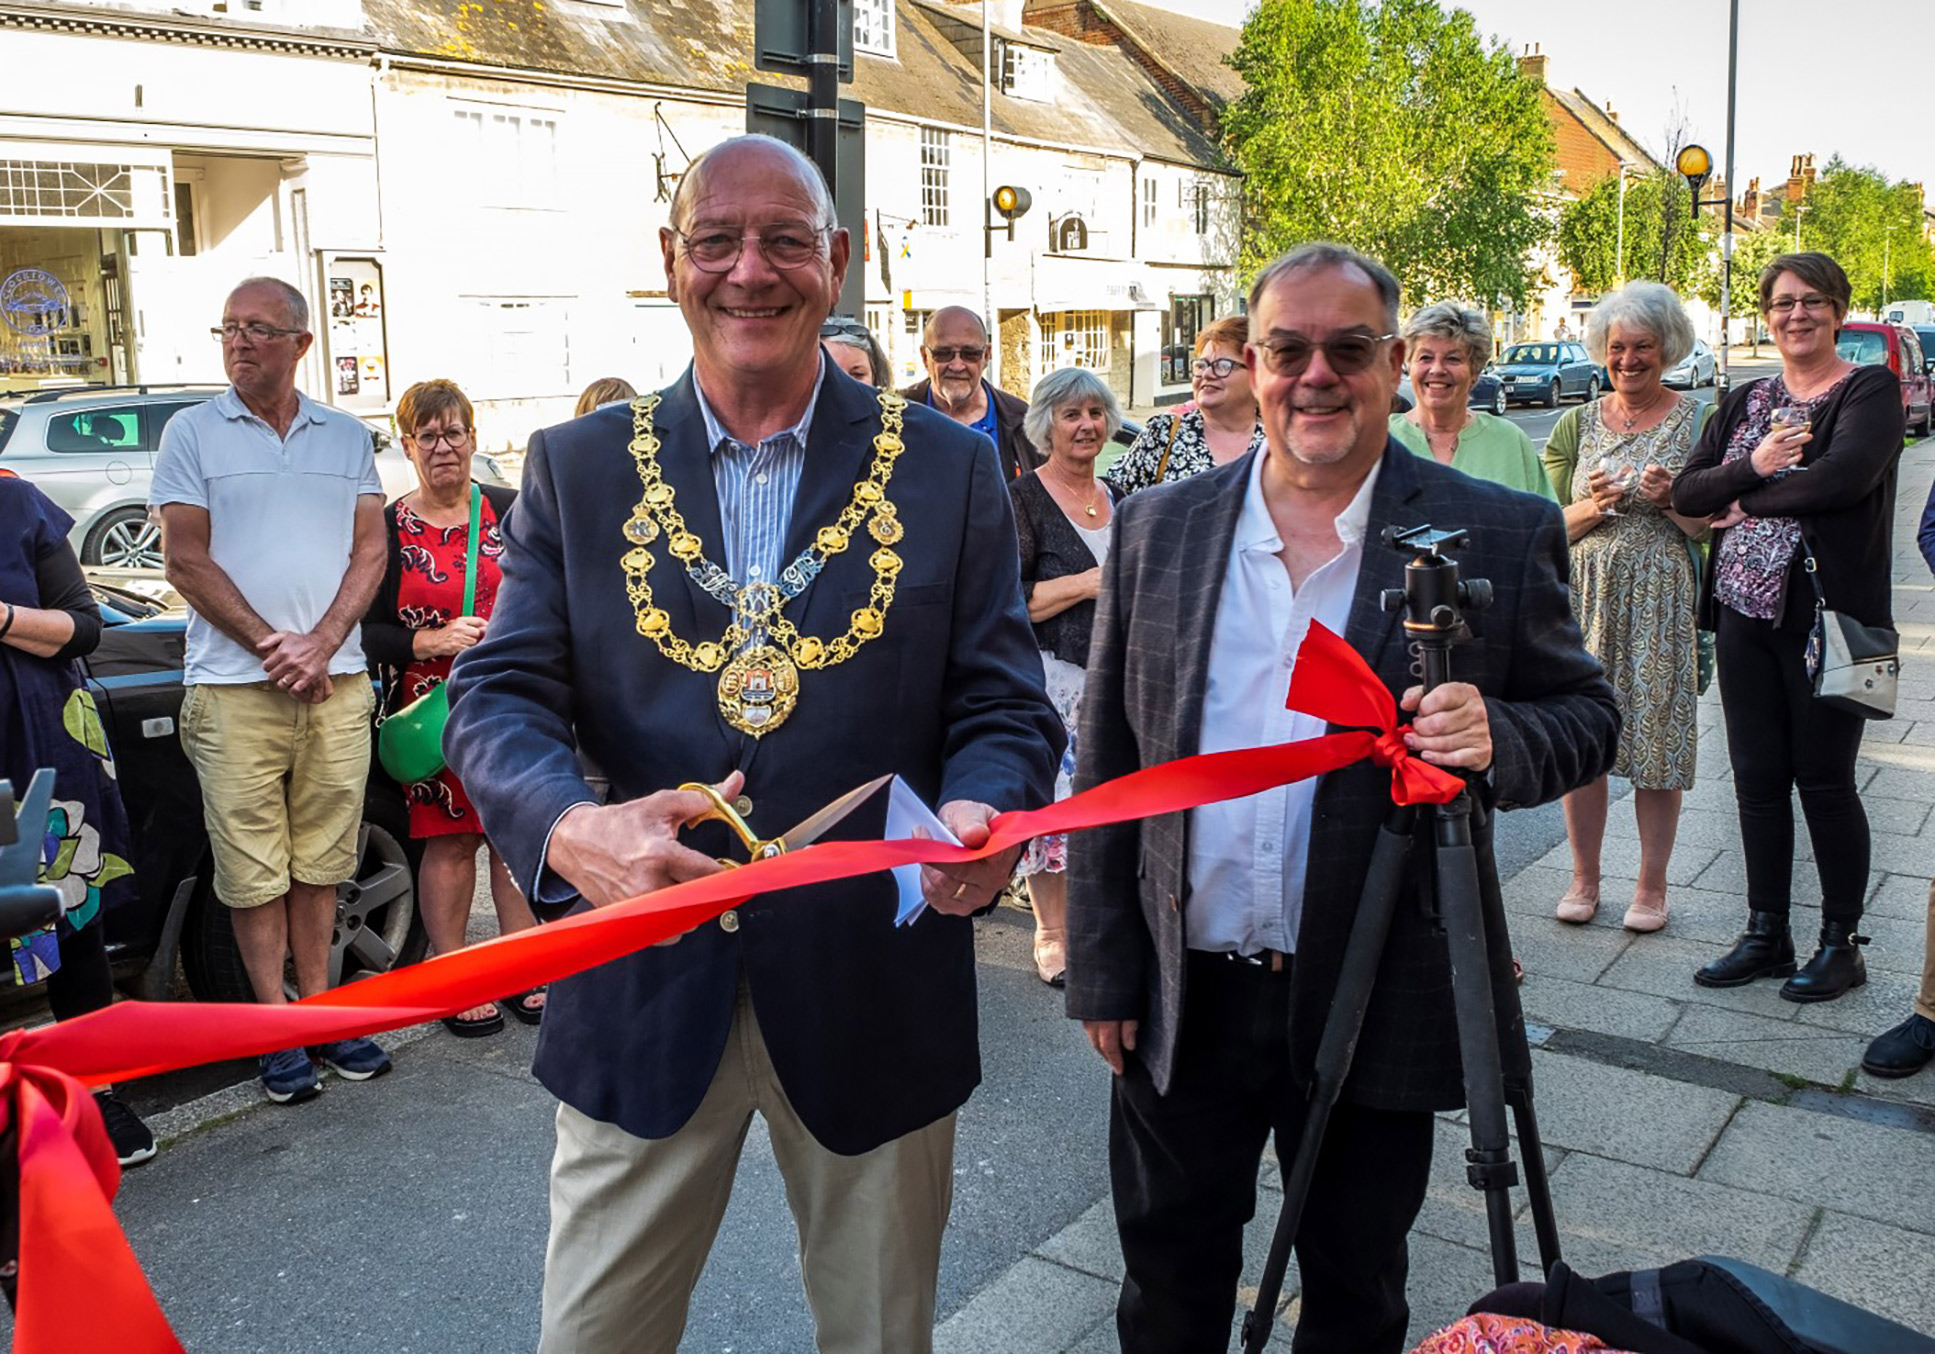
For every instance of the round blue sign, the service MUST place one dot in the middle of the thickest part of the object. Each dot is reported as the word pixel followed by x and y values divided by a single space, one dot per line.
pixel 33 302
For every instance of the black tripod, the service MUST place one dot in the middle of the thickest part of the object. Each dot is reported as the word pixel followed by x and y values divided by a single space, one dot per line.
pixel 1491 1026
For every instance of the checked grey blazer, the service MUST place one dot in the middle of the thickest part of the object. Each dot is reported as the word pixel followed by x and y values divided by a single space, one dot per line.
pixel 1554 726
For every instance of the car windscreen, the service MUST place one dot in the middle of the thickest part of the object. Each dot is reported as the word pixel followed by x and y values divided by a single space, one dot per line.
pixel 1863 347
pixel 1532 352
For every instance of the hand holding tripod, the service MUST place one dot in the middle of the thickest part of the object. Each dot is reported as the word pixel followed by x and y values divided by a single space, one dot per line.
pixel 1497 1061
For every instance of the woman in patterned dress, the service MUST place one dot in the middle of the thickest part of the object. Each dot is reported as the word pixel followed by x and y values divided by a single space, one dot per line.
pixel 48 618
pixel 1062 518
pixel 1635 582
pixel 1220 427
pixel 411 633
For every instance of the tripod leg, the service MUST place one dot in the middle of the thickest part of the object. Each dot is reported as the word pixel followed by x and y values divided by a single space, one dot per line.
pixel 1355 978
pixel 1489 1161
pixel 1515 1052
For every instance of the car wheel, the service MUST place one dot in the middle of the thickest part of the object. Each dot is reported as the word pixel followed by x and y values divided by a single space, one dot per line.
pixel 1592 390
pixel 1552 394
pixel 378 925
pixel 1499 403
pixel 124 539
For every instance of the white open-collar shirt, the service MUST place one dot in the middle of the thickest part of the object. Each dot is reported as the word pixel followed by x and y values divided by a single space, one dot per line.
pixel 1247 857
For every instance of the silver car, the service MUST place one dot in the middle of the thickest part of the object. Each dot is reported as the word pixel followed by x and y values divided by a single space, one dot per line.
pixel 92 448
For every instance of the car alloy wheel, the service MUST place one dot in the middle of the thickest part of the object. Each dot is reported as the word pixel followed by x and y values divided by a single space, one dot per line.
pixel 1499 403
pixel 1553 394
pixel 124 539
pixel 374 910
pixel 1592 390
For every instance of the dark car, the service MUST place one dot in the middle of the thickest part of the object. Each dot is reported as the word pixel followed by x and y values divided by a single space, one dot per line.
pixel 1548 372
pixel 136 678
pixel 1896 347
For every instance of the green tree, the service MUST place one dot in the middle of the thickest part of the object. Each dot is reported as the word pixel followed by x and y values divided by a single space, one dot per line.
pixel 1873 228
pixel 1395 128
pixel 1663 242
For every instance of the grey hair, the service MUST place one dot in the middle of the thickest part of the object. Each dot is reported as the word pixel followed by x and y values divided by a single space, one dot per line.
pixel 1651 307
pixel 294 304
pixel 808 171
pixel 866 343
pixel 1449 320
pixel 1324 254
pixel 1066 386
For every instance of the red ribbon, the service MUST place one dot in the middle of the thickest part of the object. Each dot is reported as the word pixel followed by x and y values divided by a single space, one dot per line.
pixel 81 1286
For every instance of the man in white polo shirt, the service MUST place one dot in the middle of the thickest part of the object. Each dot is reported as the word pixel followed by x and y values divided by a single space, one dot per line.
pixel 272 526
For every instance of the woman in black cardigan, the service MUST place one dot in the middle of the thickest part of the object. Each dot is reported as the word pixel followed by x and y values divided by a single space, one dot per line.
pixel 1062 516
pixel 413 628
pixel 1820 477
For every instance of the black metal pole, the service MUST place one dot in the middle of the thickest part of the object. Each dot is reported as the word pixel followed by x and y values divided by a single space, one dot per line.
pixel 823 90
pixel 1726 240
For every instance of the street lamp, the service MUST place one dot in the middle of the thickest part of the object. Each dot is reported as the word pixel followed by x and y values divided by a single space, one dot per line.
pixel 1619 267
pixel 1799 207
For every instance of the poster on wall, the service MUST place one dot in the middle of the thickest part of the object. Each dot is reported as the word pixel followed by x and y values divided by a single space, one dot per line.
pixel 358 347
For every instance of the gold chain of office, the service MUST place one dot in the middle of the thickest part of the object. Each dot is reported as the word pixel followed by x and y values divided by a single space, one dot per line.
pixel 761 652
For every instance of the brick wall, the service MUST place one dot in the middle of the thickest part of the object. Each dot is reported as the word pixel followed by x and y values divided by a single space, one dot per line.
pixel 1582 158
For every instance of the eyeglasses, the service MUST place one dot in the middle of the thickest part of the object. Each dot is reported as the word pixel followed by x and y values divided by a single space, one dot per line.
pixel 1218 367
pixel 947 355
pixel 428 439
pixel 258 333
pixel 1786 305
pixel 714 250
pixel 1346 354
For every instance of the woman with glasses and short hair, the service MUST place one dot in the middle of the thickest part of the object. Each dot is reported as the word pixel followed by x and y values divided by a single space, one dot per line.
pixel 412 631
pixel 855 351
pixel 1446 347
pixel 1220 427
pixel 1795 467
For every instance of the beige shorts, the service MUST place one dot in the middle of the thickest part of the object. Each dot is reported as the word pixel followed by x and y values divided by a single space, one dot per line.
pixel 282 783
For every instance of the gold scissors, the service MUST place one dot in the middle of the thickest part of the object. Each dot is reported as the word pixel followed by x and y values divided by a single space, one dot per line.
pixel 809 830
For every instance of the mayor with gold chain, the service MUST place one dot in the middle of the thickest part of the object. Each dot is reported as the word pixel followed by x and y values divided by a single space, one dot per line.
pixel 777 584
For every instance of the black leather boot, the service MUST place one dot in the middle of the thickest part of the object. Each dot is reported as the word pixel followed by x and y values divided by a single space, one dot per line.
pixel 1764 950
pixel 1835 967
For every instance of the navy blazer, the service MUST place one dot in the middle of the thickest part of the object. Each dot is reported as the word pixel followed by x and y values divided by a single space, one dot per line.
pixel 1554 727
pixel 871 1027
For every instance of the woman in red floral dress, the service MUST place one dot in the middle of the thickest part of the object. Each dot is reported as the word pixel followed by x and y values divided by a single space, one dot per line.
pixel 413 630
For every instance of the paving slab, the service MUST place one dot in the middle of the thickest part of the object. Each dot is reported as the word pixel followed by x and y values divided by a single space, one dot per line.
pixel 1901 895
pixel 1546 945
pixel 1664 965
pixel 1823 1056
pixel 1869 1170
pixel 1564 1004
pixel 1884 1269
pixel 1628 1116
pixel 1034 1305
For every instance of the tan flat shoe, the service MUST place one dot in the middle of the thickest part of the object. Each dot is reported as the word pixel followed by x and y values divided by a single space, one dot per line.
pixel 1646 917
pixel 1051 958
pixel 1576 908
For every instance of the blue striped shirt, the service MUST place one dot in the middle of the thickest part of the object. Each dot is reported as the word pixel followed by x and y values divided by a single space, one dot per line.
pixel 756 485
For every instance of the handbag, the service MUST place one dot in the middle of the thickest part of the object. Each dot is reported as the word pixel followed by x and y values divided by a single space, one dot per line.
pixel 1855 667
pixel 409 743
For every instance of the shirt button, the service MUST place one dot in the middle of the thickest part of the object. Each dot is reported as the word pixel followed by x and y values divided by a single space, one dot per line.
pixel 760 478
pixel 753 569
pixel 729 922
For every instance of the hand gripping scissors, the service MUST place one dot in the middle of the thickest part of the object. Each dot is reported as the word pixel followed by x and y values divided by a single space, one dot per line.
pixel 804 833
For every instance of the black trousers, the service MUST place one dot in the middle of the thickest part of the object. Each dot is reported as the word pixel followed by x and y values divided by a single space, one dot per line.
pixel 1780 739
pixel 1184 1168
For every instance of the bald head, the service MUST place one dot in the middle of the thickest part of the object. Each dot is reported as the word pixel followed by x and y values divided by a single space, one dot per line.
pixel 952 320
pixel 754 148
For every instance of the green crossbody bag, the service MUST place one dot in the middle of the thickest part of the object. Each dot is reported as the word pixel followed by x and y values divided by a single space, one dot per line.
pixel 409 743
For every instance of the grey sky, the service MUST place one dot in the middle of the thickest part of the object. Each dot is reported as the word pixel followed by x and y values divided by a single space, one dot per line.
pixel 1847 77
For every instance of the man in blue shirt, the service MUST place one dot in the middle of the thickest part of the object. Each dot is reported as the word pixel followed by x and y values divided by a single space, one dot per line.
pixel 955 348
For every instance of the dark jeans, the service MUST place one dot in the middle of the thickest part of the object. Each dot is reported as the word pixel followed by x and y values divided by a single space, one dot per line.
pixel 83 982
pixel 1184 1169
pixel 1780 739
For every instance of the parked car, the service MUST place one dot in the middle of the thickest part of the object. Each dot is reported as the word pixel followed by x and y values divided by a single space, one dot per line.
pixel 1894 346
pixel 1697 368
pixel 1487 393
pixel 92 448
pixel 135 677
pixel 1548 372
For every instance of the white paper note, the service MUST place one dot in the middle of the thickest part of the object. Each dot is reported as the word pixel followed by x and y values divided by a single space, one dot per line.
pixel 905 812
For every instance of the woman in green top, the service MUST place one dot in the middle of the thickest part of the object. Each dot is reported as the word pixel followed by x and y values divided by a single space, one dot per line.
pixel 1446 347
pixel 1635 581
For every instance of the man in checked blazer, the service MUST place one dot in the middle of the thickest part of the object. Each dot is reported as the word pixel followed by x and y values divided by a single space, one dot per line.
pixel 1204 947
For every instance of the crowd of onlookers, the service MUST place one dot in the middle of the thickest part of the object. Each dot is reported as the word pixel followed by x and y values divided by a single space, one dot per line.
pixel 1700 538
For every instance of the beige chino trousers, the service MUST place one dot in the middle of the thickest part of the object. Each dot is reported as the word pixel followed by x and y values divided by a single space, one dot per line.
pixel 633 1219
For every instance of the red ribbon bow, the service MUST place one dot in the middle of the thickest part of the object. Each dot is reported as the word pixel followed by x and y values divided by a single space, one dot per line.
pixel 81 1287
